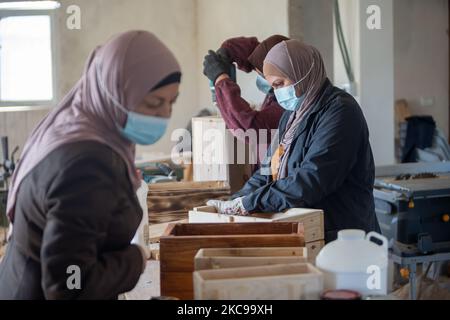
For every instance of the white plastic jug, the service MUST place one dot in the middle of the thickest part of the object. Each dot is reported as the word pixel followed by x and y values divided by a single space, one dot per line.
pixel 354 262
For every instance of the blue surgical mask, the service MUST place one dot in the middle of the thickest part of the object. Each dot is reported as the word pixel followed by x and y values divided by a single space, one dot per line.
pixel 263 85
pixel 287 97
pixel 139 128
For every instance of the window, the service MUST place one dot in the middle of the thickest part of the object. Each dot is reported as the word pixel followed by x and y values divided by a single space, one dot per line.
pixel 27 68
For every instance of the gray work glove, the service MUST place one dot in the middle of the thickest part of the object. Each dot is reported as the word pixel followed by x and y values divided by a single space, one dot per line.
pixel 214 66
pixel 232 207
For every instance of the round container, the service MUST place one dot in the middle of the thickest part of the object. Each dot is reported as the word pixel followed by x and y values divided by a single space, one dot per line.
pixel 354 262
pixel 340 295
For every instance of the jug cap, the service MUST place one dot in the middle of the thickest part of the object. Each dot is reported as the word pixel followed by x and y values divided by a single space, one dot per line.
pixel 351 234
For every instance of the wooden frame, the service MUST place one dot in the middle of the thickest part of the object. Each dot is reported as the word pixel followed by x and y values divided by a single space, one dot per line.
pixel 219 258
pixel 298 281
pixel 180 243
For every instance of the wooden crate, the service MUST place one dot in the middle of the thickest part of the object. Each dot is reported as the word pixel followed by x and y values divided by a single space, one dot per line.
pixel 214 151
pixel 172 201
pixel 219 258
pixel 180 243
pixel 312 219
pixel 298 281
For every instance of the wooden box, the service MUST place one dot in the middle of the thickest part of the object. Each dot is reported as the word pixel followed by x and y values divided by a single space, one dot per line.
pixel 298 281
pixel 180 243
pixel 172 201
pixel 215 153
pixel 313 249
pixel 219 258
pixel 312 219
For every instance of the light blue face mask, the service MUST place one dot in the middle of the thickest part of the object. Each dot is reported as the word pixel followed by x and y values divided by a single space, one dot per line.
pixel 263 85
pixel 143 129
pixel 287 97
pixel 139 128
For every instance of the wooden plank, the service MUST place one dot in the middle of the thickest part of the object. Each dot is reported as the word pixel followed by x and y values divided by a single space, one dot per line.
pixel 177 250
pixel 245 257
pixel 223 229
pixel 171 201
pixel 187 185
pixel 312 219
pixel 298 281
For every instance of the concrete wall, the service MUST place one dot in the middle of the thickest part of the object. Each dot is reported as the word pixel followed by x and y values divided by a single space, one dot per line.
pixel 174 21
pixel 421 56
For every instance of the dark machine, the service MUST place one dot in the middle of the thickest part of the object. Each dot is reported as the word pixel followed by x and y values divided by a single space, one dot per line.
pixel 412 204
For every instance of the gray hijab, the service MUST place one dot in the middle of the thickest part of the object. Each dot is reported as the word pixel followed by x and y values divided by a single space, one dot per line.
pixel 296 61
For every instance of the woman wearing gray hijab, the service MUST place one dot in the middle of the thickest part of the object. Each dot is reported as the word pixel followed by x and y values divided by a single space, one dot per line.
pixel 322 158
pixel 73 201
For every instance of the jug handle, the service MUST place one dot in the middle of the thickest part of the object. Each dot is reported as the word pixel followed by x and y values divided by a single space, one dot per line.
pixel 378 236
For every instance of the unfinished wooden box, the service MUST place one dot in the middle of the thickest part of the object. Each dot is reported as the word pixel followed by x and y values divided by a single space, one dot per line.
pixel 219 258
pixel 312 219
pixel 180 243
pixel 298 281
pixel 214 151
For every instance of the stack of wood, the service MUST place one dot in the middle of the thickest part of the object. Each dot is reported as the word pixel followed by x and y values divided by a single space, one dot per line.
pixel 172 201
pixel 312 220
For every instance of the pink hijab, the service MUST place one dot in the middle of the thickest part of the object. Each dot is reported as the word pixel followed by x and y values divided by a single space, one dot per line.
pixel 129 66
pixel 296 61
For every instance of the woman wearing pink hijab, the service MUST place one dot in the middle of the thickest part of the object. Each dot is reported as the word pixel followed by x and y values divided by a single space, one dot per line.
pixel 322 158
pixel 72 201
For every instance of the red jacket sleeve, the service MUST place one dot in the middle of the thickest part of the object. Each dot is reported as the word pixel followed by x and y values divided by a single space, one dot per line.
pixel 239 49
pixel 238 114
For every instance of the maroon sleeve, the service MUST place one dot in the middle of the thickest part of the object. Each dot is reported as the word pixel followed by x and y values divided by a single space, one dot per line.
pixel 237 112
pixel 239 49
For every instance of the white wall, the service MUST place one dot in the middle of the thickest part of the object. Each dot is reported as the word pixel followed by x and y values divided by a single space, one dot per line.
pixel 376 80
pixel 171 20
pixel 189 27
pixel 312 22
pixel 350 26
pixel 219 20
pixel 421 56
pixel 420 46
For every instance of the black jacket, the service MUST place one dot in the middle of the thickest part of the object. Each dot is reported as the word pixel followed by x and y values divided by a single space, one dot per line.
pixel 75 208
pixel 330 167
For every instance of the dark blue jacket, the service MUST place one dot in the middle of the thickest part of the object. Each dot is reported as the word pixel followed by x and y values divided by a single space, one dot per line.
pixel 330 167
